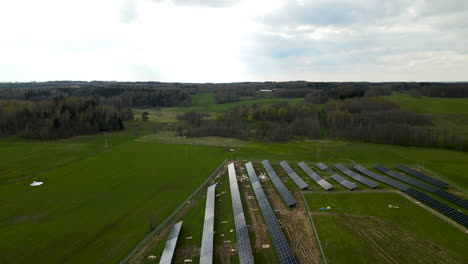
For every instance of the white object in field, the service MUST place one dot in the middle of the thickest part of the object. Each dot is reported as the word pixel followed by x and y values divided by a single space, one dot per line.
pixel 36 183
pixel 328 208
pixel 232 150
pixel 152 257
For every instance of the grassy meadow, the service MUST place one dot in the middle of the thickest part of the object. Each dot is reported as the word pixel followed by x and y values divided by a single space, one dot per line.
pixel 449 113
pixel 97 209
pixel 360 228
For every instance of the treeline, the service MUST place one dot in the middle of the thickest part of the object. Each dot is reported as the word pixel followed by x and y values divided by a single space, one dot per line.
pixel 59 118
pixel 381 121
pixel 452 90
pixel 367 119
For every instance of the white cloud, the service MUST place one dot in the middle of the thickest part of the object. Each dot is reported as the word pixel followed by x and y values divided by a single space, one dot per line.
pixel 221 41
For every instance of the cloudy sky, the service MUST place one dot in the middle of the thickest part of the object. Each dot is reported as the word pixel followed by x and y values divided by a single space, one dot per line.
pixel 234 40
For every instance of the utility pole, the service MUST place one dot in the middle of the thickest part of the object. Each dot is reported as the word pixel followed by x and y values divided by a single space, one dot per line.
pixel 318 150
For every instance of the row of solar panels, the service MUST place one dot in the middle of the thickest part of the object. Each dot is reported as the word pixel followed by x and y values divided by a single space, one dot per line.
pixel 424 198
pixel 282 247
pixel 283 250
pixel 424 186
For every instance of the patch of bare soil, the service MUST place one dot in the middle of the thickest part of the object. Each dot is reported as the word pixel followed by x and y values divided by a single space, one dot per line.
pixel 181 254
pixel 392 244
pixel 296 226
pixel 224 252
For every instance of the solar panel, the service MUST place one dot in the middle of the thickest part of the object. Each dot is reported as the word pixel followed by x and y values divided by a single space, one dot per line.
pixel 314 176
pixel 424 186
pixel 279 185
pixel 356 176
pixel 321 166
pixel 396 184
pixel 206 251
pixel 293 175
pixel 283 250
pixel 171 242
pixel 426 199
pixel 242 233
pixel 422 176
pixel 344 182
pixel 439 206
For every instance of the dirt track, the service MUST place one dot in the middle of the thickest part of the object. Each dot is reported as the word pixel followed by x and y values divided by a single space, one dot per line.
pixel 296 225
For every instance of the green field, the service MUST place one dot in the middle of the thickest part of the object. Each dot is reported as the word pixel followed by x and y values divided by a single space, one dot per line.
pixel 431 105
pixel 360 228
pixel 448 113
pixel 205 103
pixel 96 209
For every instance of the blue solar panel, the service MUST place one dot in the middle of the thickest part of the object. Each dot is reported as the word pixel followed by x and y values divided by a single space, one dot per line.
pixel 426 199
pixel 356 176
pixel 171 242
pixel 424 186
pixel 396 184
pixel 242 233
pixel 206 251
pixel 283 191
pixel 422 176
pixel 439 206
pixel 314 176
pixel 321 166
pixel 293 175
pixel 285 255
pixel 341 180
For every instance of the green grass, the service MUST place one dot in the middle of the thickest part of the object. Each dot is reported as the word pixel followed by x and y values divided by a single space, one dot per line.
pixel 409 223
pixel 24 158
pixel 97 209
pixel 448 113
pixel 205 103
pixel 431 105
pixel 168 137
pixel 448 164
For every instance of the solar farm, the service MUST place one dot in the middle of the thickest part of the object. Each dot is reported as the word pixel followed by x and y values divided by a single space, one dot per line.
pixel 307 212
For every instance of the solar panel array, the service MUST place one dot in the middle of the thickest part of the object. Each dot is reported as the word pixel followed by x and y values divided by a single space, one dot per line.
pixel 242 233
pixel 314 176
pixel 439 206
pixel 206 251
pixel 283 191
pixel 424 186
pixel 293 175
pixel 356 176
pixel 321 166
pixel 428 200
pixel 171 242
pixel 344 182
pixel 422 176
pixel 396 184
pixel 283 250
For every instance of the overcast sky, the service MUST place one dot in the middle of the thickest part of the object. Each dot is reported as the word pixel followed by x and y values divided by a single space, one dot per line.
pixel 234 40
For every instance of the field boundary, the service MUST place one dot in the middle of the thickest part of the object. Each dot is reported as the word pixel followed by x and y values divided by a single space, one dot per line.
pixel 315 229
pixel 174 213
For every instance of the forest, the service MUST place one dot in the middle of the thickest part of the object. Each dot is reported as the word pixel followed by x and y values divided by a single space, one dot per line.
pixel 351 110
pixel 367 119
pixel 59 118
